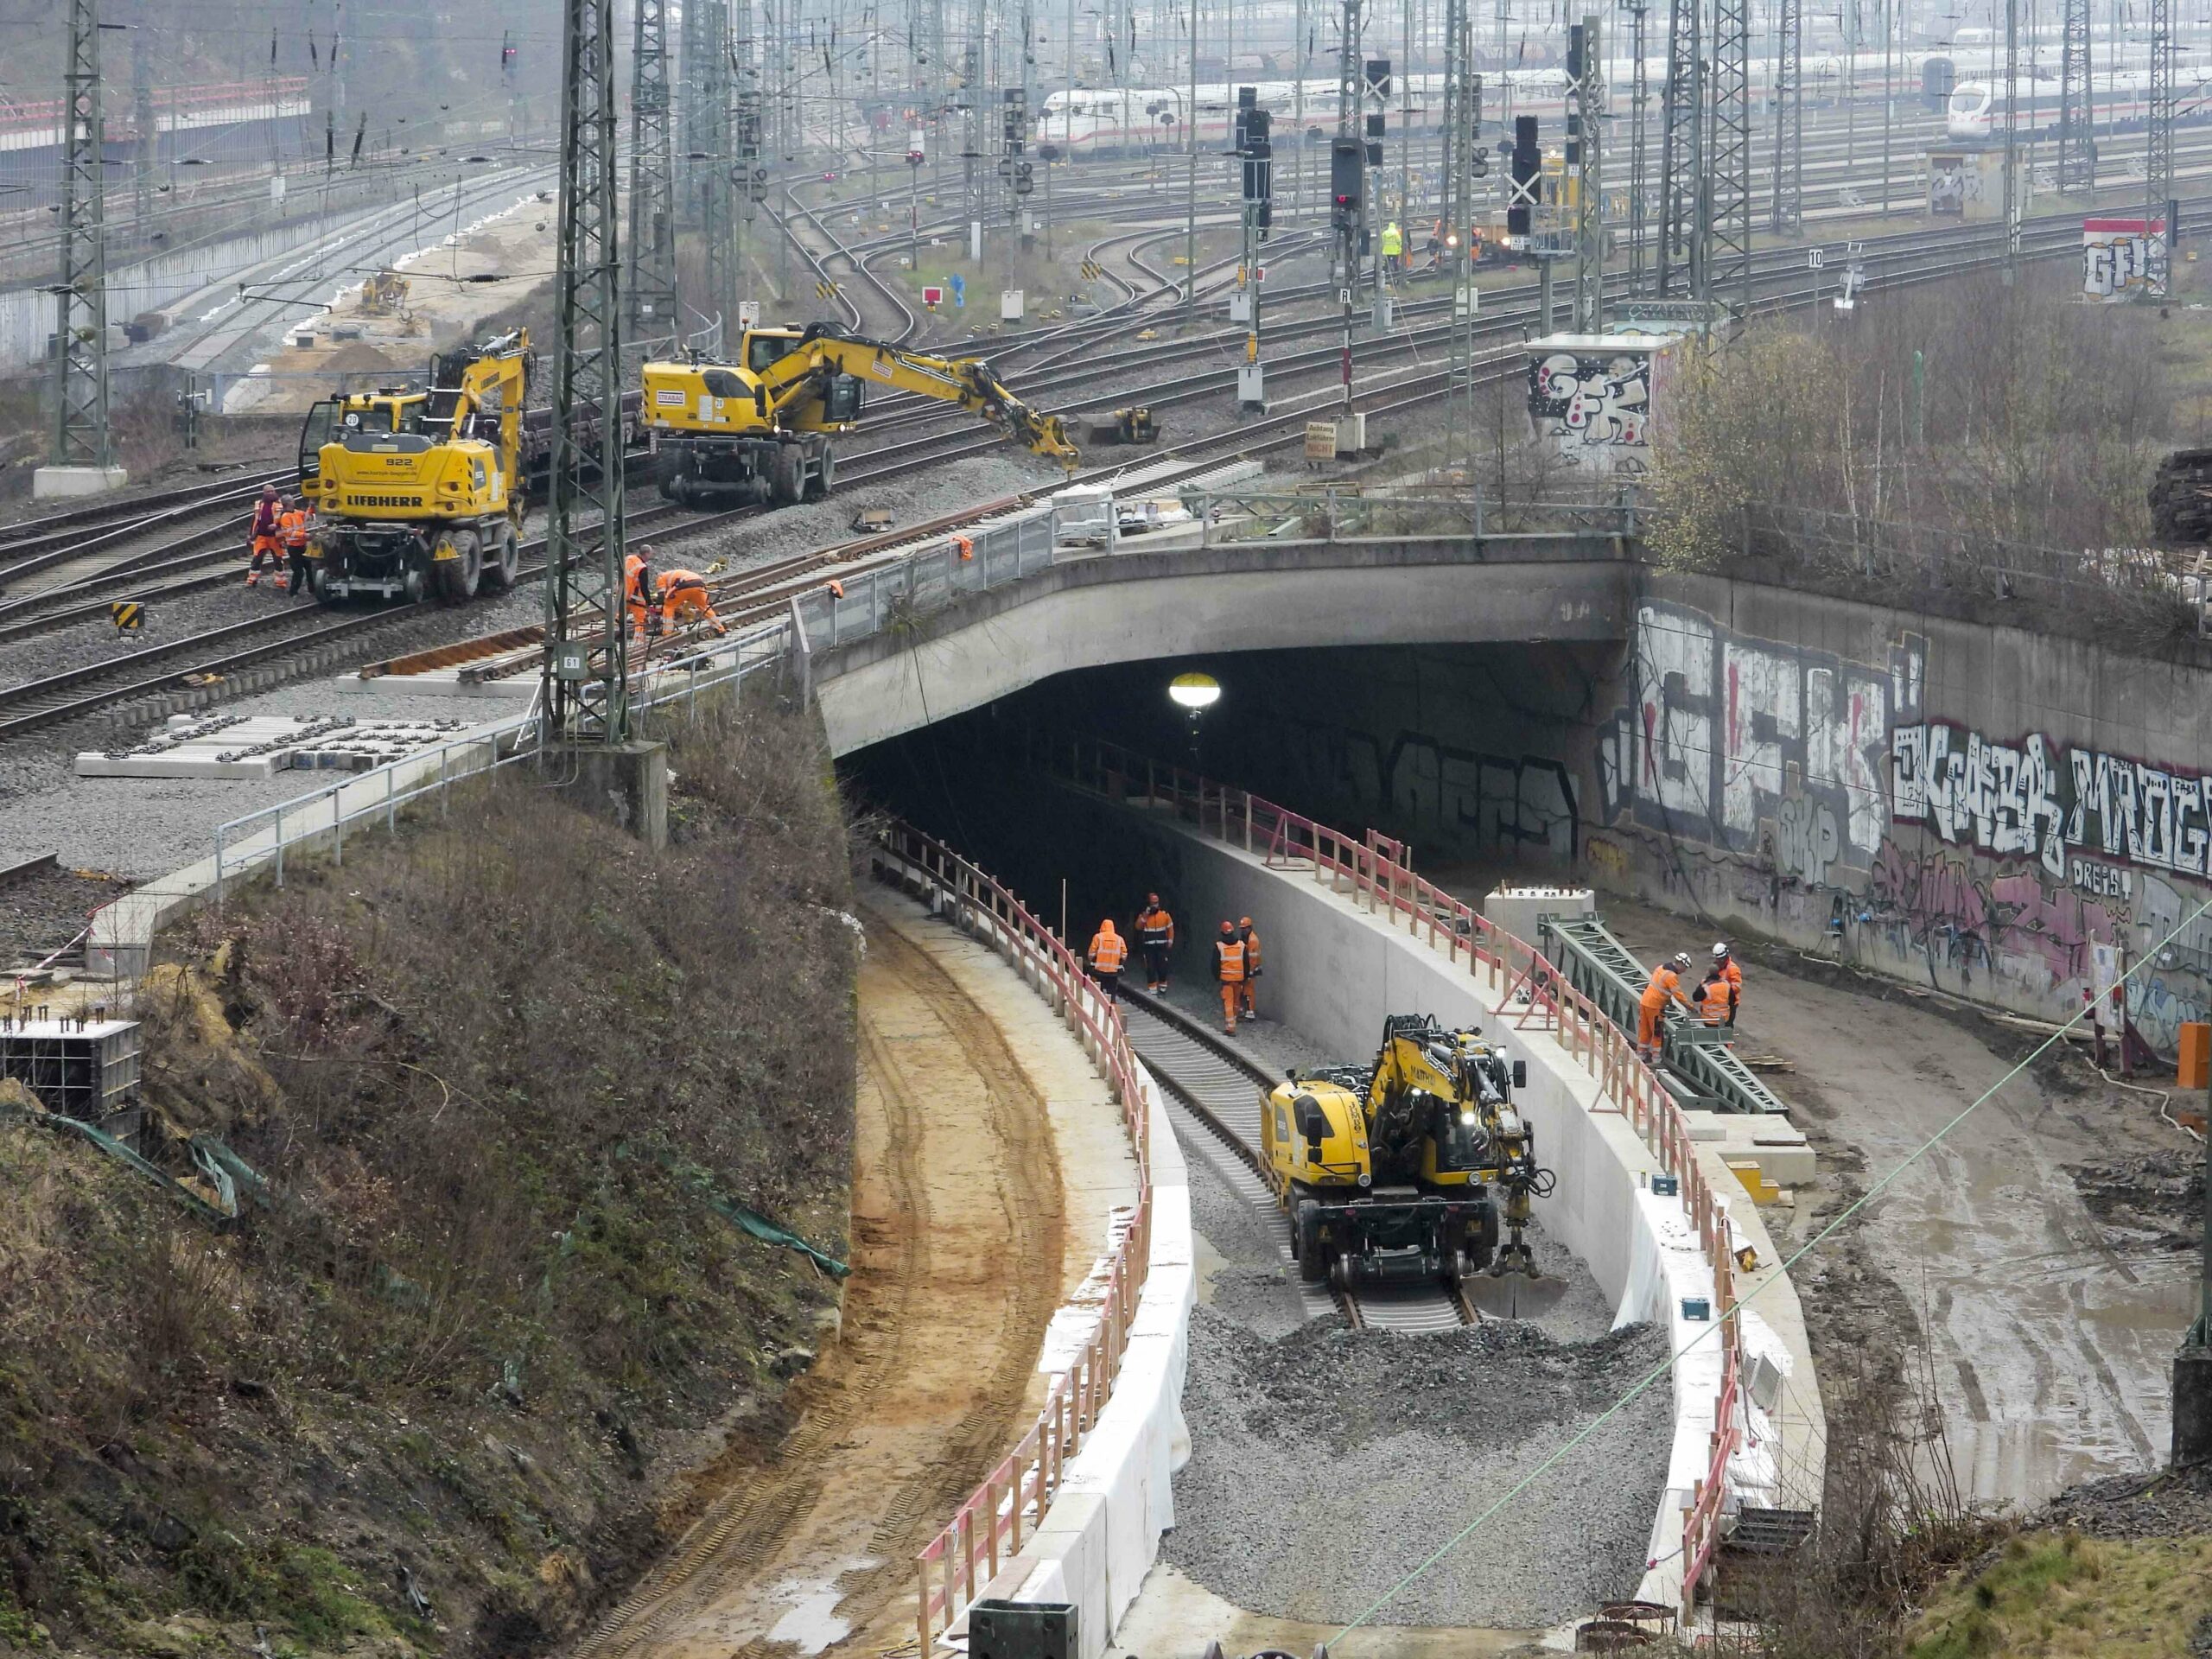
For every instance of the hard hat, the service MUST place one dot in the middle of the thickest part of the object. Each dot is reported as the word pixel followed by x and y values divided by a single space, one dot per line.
pixel 1243 921
pixel 1720 950
pixel 1681 958
pixel 1229 927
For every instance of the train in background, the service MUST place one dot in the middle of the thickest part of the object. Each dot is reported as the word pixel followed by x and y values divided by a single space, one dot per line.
pixel 1115 120
pixel 2119 98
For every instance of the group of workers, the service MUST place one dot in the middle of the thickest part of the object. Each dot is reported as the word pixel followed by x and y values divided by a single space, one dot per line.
pixel 1714 1002
pixel 679 596
pixel 278 533
pixel 1235 958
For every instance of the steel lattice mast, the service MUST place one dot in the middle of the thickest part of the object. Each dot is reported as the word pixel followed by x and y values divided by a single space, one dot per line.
pixel 1682 157
pixel 2011 139
pixel 1727 266
pixel 1585 68
pixel 687 140
pixel 1639 216
pixel 1786 201
pixel 2077 131
pixel 1463 118
pixel 651 266
pixel 141 117
pixel 81 437
pixel 717 199
pixel 2158 143
pixel 586 694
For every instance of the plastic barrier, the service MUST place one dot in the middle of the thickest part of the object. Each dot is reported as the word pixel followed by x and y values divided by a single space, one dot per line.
pixel 1516 982
pixel 990 1525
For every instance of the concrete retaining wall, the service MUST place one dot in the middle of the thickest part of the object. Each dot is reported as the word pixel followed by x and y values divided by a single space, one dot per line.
pixel 1101 1534
pixel 1335 970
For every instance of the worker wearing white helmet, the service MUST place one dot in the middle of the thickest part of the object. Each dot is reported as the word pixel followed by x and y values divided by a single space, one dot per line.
pixel 1726 970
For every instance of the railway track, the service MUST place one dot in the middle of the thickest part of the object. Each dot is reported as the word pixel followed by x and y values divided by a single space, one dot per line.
pixel 1214 1093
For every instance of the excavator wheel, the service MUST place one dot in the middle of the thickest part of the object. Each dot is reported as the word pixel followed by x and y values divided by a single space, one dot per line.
pixel 458 578
pixel 787 475
pixel 1306 1225
pixel 819 489
pixel 505 565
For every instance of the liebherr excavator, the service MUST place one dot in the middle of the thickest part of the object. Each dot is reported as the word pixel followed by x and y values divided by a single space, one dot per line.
pixel 420 490
pixel 761 427
pixel 1407 1167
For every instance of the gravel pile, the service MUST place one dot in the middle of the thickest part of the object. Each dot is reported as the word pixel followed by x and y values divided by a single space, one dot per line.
pixel 1242 1280
pixel 2167 1504
pixel 1328 1464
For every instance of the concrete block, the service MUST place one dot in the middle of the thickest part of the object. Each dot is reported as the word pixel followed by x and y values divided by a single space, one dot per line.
pixel 56 483
pixel 626 782
pixel 1774 1145
pixel 1516 909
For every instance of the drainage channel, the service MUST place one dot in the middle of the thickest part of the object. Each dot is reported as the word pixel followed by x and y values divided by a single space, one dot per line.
pixel 1214 1094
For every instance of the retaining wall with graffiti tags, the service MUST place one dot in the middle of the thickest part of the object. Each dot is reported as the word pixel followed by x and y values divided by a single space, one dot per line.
pixel 2002 815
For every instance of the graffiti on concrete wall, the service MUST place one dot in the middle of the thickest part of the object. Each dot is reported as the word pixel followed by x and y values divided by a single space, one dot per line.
pixel 1594 407
pixel 1416 780
pixel 1725 730
pixel 1806 785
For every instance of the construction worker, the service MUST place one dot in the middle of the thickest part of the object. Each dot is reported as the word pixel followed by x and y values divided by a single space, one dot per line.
pixel 1228 968
pixel 292 525
pixel 1250 935
pixel 1156 938
pixel 1709 1001
pixel 1725 970
pixel 637 578
pixel 1108 950
pixel 683 599
pixel 264 534
pixel 1666 987
pixel 1394 248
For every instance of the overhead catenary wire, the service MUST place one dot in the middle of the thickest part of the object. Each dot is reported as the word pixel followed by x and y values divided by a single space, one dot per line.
pixel 1637 1388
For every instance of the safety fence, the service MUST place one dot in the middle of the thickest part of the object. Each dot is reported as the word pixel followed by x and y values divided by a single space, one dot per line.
pixel 990 1525
pixel 1442 510
pixel 1514 981
pixel 980 557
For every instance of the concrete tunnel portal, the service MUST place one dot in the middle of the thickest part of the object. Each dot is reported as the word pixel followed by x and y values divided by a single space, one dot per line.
pixel 1356 736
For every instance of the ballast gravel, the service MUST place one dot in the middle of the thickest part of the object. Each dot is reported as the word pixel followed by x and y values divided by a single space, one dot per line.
pixel 1329 1463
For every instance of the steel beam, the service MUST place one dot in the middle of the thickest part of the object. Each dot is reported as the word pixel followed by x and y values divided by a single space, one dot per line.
pixel 651 266
pixel 585 695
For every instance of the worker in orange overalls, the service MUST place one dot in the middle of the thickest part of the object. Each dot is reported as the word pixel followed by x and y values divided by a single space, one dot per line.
pixel 1108 950
pixel 1726 970
pixel 683 598
pixel 1228 968
pixel 637 576
pixel 1156 938
pixel 292 525
pixel 1709 1001
pixel 1666 987
pixel 1250 935
pixel 265 535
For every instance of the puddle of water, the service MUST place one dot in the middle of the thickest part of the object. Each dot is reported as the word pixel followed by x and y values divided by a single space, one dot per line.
pixel 810 1621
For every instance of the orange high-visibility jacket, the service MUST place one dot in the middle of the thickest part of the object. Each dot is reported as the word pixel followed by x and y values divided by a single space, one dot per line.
pixel 1228 961
pixel 1108 949
pixel 1666 985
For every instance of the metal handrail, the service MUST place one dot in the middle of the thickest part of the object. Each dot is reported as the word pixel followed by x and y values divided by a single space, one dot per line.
pixel 1015 1495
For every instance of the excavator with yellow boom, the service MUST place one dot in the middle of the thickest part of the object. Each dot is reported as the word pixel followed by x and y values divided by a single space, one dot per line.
pixel 417 490
pixel 761 427
pixel 1408 1168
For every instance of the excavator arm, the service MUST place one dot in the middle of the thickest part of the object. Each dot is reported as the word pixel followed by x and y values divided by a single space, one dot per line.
pixel 968 382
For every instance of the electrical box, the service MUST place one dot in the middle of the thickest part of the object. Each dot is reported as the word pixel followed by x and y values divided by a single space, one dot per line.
pixel 1013 1630
pixel 1352 434
pixel 1385 313
pixel 1251 386
pixel 572 662
pixel 1240 306
pixel 84 1068
pixel 1010 305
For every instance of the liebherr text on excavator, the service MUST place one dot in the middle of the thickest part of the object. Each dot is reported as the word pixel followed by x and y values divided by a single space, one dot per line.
pixel 760 428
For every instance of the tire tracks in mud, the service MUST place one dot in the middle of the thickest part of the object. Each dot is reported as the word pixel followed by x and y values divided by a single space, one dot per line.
pixel 957 1228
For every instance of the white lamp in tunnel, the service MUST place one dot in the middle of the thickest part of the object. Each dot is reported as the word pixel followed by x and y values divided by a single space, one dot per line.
pixel 1194 694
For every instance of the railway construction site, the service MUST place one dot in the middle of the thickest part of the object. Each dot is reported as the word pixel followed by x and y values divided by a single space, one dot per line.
pixel 855 844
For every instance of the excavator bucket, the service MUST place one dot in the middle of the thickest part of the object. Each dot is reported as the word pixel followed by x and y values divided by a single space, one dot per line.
pixel 1513 1295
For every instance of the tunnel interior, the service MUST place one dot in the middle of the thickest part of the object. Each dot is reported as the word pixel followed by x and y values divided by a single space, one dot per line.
pixel 1477 756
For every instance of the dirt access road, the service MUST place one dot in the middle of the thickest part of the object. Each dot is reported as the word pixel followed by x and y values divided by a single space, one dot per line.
pixel 957 1244
pixel 2050 1335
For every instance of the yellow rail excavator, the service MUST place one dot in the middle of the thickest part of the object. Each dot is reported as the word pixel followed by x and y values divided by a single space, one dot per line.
pixel 417 490
pixel 1410 1169
pixel 761 427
